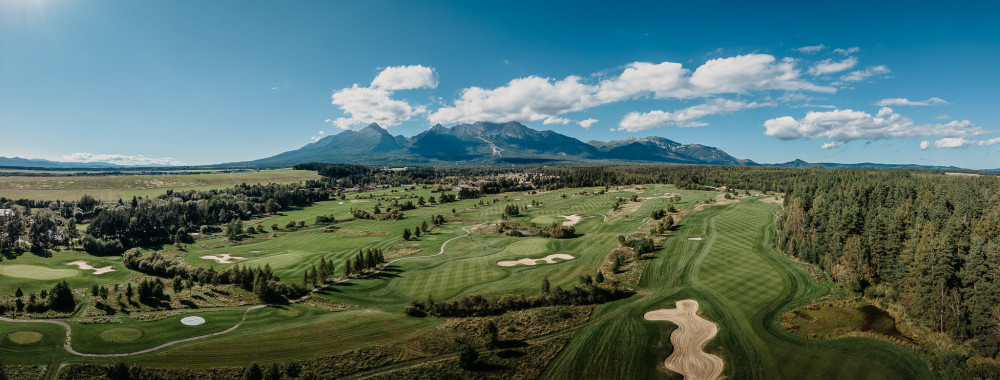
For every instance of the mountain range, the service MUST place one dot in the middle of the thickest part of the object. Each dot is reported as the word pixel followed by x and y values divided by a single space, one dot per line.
pixel 483 143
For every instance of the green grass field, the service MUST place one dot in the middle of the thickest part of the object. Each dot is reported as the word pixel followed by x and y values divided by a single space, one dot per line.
pixel 741 283
pixel 742 286
pixel 112 188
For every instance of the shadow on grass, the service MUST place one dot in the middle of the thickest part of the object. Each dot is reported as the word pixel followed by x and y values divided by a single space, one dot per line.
pixel 510 354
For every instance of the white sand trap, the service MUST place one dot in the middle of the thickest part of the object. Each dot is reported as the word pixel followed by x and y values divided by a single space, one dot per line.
pixel 689 340
pixel 694 238
pixel 550 259
pixel 83 265
pixel 192 321
pixel 224 258
pixel 340 203
pixel 571 219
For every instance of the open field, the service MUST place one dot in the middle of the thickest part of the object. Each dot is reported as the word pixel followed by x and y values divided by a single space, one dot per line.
pixel 112 188
pixel 740 284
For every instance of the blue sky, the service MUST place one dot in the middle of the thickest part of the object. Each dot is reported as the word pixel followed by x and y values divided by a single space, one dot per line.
pixel 223 81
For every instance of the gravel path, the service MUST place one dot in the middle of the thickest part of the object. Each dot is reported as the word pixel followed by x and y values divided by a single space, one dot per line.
pixel 69 336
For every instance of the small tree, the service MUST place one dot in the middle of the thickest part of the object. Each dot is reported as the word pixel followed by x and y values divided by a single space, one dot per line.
pixel 406 234
pixel 253 372
pixel 293 369
pixel 18 292
pixel 274 226
pixel 599 278
pixel 545 285
pixel 178 284
pixel 273 372
pixel 61 297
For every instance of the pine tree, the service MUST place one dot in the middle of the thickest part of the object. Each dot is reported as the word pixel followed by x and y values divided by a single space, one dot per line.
pixel 406 234
pixel 347 268
pixel 18 292
pixel 545 285
pixel 253 372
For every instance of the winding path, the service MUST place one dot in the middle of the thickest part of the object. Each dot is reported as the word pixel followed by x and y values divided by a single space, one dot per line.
pixel 689 340
pixel 69 333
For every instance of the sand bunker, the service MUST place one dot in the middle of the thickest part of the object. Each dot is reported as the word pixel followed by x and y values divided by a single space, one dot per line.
pixel 192 321
pixel 694 238
pixel 688 340
pixel 340 203
pixel 550 259
pixel 83 265
pixel 224 258
pixel 571 219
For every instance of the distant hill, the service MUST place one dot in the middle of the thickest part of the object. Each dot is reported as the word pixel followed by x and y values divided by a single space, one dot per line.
pixel 485 143
pixel 37 163
pixel 804 164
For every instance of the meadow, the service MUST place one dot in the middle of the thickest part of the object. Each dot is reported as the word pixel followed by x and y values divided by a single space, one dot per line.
pixel 740 282
pixel 111 188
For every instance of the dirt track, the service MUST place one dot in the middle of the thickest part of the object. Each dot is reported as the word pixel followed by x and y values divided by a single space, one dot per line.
pixel 689 339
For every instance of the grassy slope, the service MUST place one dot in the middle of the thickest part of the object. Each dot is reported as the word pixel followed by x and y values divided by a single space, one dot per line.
pixel 56 263
pixel 618 343
pixel 741 285
pixel 112 188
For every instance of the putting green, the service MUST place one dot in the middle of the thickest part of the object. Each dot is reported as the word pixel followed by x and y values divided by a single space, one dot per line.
pixel 121 334
pixel 24 337
pixel 36 272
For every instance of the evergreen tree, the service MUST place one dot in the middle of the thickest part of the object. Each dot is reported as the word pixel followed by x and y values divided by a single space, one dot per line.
pixel 273 372
pixel 253 372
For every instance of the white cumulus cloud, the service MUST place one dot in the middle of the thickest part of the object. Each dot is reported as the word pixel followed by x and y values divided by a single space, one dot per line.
pixel 405 78
pixel 908 102
pixel 813 49
pixel 121 159
pixel 371 105
pixel 849 125
pixel 535 98
pixel 848 51
pixel 687 117
pixel 374 104
pixel 556 120
pixel 586 124
pixel 860 75
pixel 829 66
pixel 831 145
pixel 959 142
pixel 750 72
